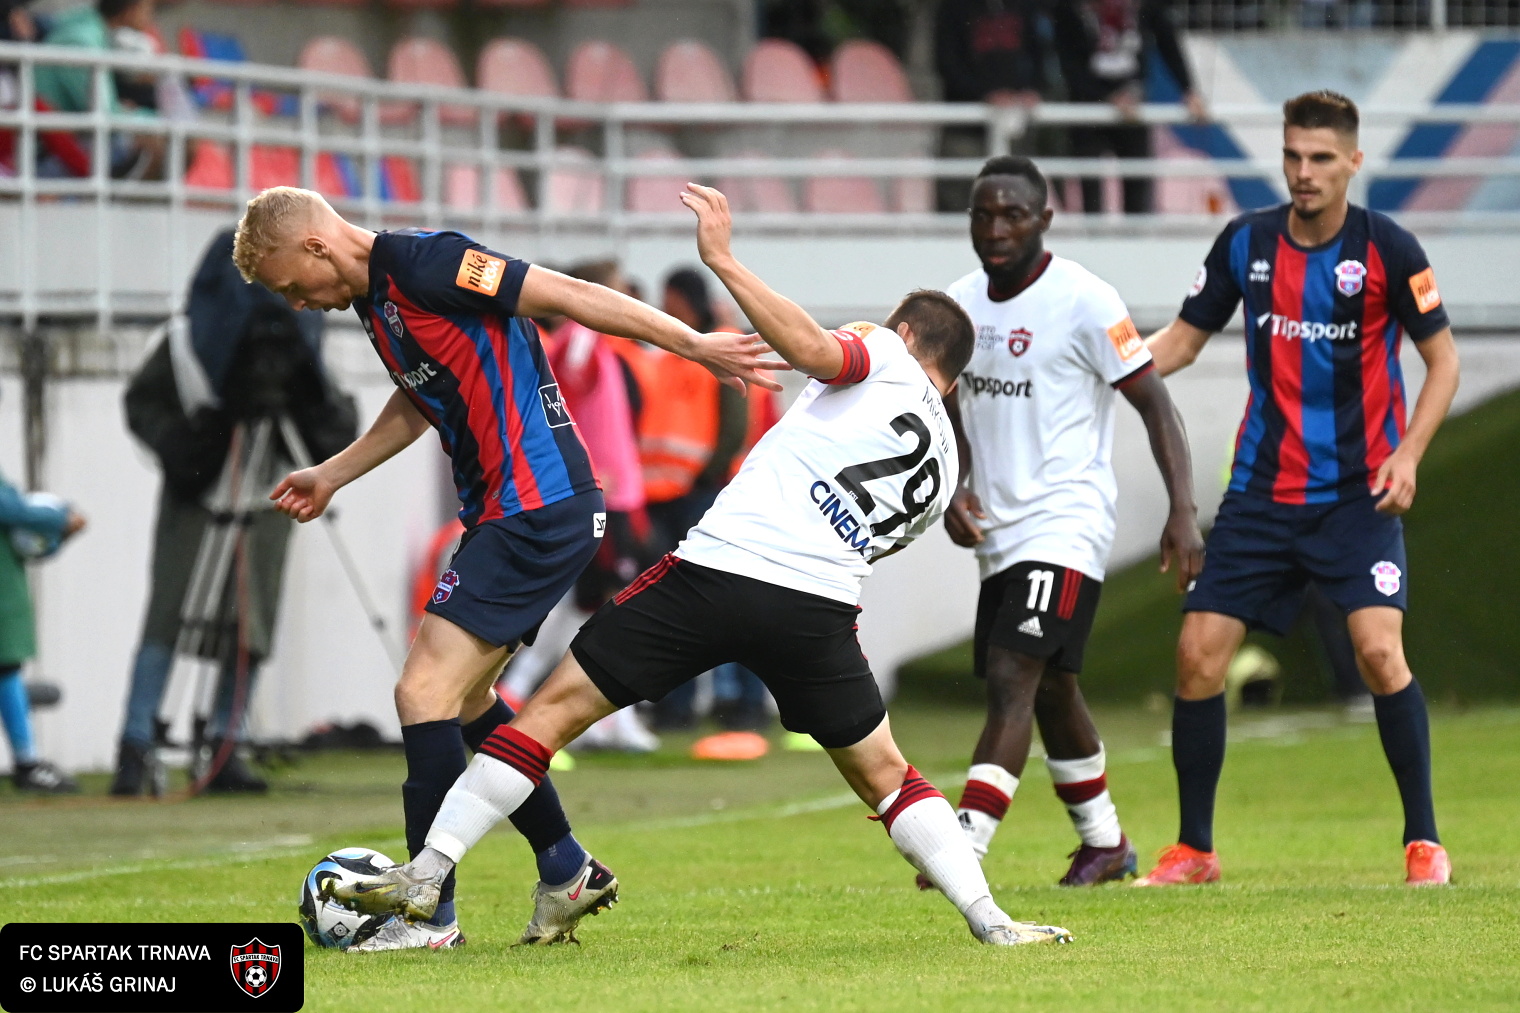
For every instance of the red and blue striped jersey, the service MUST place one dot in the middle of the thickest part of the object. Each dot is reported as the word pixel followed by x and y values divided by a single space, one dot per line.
pixel 1322 328
pixel 441 311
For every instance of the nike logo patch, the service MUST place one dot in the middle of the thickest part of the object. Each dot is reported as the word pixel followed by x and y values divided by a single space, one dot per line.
pixel 440 944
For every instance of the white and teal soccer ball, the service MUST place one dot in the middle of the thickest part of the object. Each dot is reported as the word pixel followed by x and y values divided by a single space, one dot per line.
pixel 329 923
pixel 31 544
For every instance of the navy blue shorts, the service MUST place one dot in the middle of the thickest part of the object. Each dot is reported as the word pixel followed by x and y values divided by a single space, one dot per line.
pixel 507 574
pixel 1262 555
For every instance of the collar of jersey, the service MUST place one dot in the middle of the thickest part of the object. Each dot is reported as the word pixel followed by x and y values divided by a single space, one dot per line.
pixel 1034 276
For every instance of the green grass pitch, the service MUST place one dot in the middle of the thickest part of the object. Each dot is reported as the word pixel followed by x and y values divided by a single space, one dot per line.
pixel 762 886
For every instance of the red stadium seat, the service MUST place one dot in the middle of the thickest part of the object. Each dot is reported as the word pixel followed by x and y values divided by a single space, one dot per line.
pixel 764 194
pixel 573 190
pixel 211 167
pixel 780 71
pixel 419 60
pixel 657 194
pixel 510 66
pixel 864 71
pixel 842 194
pixel 461 189
pixel 601 72
pixel 689 71
pixel 331 54
pixel 398 180
pixel 271 166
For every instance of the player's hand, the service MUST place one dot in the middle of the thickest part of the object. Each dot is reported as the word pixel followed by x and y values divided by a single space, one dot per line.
pixel 738 359
pixel 304 494
pixel 961 517
pixel 1395 484
pixel 1182 542
pixel 74 523
pixel 715 226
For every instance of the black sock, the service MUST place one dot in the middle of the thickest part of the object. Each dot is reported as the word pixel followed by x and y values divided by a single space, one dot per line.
pixel 1404 727
pixel 541 819
pixel 435 758
pixel 1198 732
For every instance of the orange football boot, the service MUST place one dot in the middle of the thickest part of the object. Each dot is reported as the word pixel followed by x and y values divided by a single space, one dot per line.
pixel 1426 864
pixel 1181 864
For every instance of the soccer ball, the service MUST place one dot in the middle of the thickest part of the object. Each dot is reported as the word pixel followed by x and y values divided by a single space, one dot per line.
pixel 329 923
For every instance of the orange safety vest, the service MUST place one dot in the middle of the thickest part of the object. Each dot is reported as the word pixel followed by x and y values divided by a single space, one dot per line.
pixel 678 428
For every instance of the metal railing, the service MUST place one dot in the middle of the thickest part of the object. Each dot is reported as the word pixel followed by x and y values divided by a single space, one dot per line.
pixel 436 129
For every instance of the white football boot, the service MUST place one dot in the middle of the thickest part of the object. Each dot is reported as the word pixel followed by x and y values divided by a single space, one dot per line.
pixel 991 926
pixel 558 910
pixel 399 934
pixel 397 890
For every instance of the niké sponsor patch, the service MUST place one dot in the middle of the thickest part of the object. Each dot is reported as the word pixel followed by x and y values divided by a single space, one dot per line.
pixel 481 272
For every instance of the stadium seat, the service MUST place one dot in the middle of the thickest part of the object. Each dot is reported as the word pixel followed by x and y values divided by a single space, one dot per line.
pixel 398 180
pixel 420 60
pixel 332 54
pixel 273 166
pixel 338 175
pixel 763 194
pixel 689 71
pixel 858 195
pixel 211 167
pixel 864 71
pixel 780 71
pixel 573 190
pixel 461 189
pixel 509 66
pixel 601 72
pixel 657 194
pixel 210 93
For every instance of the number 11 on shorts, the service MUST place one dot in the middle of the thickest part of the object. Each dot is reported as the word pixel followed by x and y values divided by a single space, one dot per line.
pixel 1040 583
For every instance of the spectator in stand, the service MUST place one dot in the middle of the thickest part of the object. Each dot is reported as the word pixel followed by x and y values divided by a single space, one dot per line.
pixel 1101 45
pixel 39 524
pixel 16 22
pixel 70 89
pixel 986 51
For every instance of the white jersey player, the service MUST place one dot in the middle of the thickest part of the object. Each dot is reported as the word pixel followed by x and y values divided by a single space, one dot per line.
pixel 770 577
pixel 1036 404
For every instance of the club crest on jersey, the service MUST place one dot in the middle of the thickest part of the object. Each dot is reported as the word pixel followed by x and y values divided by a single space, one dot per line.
pixel 1385 577
pixel 1199 280
pixel 446 585
pixel 392 317
pixel 1019 340
pixel 255 966
pixel 1349 275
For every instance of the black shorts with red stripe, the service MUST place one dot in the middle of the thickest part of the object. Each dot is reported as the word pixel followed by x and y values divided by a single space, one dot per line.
pixel 1037 609
pixel 680 619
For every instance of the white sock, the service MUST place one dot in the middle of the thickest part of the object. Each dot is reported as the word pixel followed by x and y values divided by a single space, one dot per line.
pixel 929 836
pixel 984 801
pixel 486 793
pixel 1082 785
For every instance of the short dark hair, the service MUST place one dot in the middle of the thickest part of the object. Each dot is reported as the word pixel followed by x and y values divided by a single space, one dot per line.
pixel 598 272
pixel 688 281
pixel 1016 165
pixel 942 329
pixel 1323 108
pixel 109 9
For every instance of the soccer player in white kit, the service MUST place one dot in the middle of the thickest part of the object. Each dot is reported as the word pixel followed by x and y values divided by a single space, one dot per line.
pixel 859 466
pixel 1036 416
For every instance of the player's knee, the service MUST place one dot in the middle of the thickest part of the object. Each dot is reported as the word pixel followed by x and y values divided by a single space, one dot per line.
pixel 1383 666
pixel 1201 668
pixel 1012 680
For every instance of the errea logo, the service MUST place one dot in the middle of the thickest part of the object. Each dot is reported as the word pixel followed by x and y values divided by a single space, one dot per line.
pixel 1261 270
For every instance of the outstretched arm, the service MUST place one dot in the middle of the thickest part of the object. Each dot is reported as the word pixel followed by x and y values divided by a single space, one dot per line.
pixel 736 359
pixel 305 494
pixel 1442 374
pixel 1176 345
pixel 784 325
pixel 1180 539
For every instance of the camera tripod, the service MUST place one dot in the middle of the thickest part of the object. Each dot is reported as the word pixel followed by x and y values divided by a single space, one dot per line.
pixel 210 638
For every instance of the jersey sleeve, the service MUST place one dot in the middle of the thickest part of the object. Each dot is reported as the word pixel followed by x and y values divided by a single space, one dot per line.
pixel 1215 293
pixel 1107 340
pixel 452 273
pixel 856 341
pixel 1413 297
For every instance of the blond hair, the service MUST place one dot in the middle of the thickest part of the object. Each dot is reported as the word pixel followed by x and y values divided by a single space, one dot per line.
pixel 267 223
